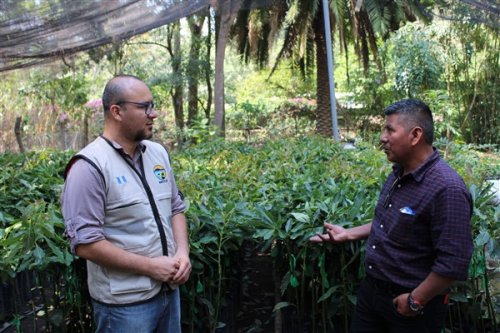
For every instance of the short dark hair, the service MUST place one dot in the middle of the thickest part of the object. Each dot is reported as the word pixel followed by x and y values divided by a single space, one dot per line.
pixel 115 90
pixel 416 113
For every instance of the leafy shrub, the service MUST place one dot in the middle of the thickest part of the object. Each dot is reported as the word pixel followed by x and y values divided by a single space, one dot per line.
pixel 274 195
pixel 277 195
pixel 248 116
pixel 32 239
pixel 417 61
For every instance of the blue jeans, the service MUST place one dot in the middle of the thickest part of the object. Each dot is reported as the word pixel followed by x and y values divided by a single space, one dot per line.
pixel 375 312
pixel 160 314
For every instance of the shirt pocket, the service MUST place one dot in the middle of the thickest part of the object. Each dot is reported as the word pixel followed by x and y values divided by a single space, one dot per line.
pixel 403 228
pixel 126 221
pixel 123 282
pixel 164 200
pixel 129 207
pixel 164 195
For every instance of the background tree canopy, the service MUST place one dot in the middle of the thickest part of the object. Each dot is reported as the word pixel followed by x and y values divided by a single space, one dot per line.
pixel 447 56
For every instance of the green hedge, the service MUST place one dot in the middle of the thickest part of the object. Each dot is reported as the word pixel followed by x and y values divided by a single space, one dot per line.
pixel 271 196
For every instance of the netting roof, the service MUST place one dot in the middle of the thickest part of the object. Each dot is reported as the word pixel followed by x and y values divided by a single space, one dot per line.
pixel 34 32
pixel 37 31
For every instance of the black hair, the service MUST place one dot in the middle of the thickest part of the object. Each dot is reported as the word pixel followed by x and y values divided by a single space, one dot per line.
pixel 416 113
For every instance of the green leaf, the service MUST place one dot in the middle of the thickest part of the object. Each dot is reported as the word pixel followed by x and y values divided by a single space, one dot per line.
pixel 285 281
pixel 352 298
pixel 220 324
pixel 483 238
pixel 328 293
pixel 55 249
pixel 208 239
pixel 199 287
pixel 39 255
pixel 458 297
pixel 265 234
pixel 281 305
pixel 301 217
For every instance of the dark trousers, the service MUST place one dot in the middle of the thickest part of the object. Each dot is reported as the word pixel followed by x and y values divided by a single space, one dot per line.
pixel 375 312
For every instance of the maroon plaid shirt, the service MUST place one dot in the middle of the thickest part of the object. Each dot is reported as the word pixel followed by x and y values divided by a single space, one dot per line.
pixel 421 224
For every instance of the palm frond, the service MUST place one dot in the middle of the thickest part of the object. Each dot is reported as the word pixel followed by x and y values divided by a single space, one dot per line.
pixel 380 16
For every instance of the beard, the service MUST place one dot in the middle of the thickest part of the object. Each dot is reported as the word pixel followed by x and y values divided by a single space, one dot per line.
pixel 143 135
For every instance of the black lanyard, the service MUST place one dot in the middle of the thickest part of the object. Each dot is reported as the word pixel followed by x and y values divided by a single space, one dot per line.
pixel 145 184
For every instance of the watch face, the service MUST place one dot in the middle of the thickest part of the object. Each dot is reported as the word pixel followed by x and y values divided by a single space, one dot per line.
pixel 414 305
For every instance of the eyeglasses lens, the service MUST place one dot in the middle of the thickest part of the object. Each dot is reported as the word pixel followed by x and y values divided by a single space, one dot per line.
pixel 149 108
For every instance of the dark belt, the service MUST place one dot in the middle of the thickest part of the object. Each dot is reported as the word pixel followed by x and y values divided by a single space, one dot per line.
pixel 387 286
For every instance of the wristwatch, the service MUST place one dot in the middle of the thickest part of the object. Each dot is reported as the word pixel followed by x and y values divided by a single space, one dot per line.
pixel 414 305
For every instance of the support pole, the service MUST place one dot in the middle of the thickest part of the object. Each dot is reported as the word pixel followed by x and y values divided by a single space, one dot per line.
pixel 329 56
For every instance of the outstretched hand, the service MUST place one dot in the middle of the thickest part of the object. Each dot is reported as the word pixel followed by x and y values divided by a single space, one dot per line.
pixel 333 234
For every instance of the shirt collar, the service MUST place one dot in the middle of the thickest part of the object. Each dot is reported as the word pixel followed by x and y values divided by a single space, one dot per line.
pixel 419 173
pixel 117 146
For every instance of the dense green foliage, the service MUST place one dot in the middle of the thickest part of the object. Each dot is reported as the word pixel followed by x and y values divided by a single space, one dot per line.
pixel 32 239
pixel 29 217
pixel 272 196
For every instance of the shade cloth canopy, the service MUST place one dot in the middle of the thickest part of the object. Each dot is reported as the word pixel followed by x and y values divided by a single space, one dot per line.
pixel 34 32
pixel 38 31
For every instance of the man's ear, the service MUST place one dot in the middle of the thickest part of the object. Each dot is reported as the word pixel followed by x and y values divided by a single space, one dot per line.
pixel 115 112
pixel 417 135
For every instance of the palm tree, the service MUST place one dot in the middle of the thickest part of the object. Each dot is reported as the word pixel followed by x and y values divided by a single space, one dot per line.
pixel 356 21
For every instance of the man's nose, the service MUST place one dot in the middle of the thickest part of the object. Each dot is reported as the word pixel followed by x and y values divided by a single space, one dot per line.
pixel 383 137
pixel 153 114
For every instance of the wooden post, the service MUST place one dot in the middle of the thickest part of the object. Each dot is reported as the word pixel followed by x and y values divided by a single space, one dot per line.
pixel 19 134
pixel 85 138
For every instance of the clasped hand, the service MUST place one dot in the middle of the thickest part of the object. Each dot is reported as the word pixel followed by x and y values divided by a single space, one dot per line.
pixel 171 269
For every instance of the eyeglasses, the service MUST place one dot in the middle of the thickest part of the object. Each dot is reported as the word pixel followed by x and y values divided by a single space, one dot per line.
pixel 391 191
pixel 147 106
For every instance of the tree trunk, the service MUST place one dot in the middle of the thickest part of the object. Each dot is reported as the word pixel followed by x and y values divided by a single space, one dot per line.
pixel 355 28
pixel 208 69
pixel 19 134
pixel 193 70
pixel 225 12
pixel 176 93
pixel 323 114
